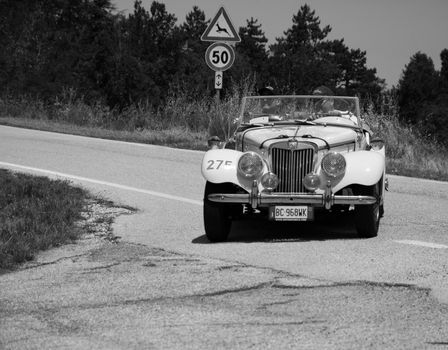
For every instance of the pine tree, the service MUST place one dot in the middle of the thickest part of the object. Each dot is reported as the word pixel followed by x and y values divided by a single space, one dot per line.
pixel 251 51
pixel 193 75
pixel 305 58
pixel 296 62
pixel 444 69
pixel 417 87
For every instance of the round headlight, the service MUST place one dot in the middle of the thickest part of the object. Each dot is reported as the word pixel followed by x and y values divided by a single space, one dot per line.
pixel 269 181
pixel 333 164
pixel 250 165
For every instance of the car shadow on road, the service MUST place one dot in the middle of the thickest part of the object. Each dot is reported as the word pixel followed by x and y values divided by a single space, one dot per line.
pixel 264 231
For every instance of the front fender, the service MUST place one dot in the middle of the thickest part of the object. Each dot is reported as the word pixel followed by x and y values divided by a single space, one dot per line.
pixel 363 168
pixel 220 165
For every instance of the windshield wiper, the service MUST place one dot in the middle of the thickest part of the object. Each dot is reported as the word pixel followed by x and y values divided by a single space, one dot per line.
pixel 295 122
pixel 304 122
pixel 354 127
pixel 245 126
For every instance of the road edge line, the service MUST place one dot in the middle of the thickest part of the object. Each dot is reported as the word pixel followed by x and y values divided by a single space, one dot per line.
pixel 106 183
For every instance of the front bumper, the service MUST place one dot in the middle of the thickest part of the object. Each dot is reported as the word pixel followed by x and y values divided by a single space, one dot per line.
pixel 257 199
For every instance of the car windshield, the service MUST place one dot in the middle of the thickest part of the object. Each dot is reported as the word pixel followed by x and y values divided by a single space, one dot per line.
pixel 269 109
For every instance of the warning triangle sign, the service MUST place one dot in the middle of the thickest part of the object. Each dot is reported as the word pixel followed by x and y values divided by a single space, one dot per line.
pixel 221 29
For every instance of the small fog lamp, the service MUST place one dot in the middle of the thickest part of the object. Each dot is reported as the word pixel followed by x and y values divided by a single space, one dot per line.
pixel 250 165
pixel 333 164
pixel 269 181
pixel 311 181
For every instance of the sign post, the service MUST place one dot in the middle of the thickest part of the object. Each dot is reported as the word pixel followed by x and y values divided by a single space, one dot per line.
pixel 218 80
pixel 220 55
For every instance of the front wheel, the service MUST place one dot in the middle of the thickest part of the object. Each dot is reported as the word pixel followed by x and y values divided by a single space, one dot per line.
pixel 217 220
pixel 367 217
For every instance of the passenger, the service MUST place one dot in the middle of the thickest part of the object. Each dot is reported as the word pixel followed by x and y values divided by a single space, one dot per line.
pixel 326 105
pixel 266 91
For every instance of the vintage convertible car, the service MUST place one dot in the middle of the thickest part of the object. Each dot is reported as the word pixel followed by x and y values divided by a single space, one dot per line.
pixel 294 157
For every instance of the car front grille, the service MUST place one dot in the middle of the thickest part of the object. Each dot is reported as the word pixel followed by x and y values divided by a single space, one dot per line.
pixel 291 165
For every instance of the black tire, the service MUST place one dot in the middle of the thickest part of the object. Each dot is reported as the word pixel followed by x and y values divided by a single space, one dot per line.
pixel 217 220
pixel 367 217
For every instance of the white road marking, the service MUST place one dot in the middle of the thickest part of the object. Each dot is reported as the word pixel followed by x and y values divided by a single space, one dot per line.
pixel 423 244
pixel 111 184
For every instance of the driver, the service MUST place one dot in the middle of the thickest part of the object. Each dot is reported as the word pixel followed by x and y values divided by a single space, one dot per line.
pixel 327 104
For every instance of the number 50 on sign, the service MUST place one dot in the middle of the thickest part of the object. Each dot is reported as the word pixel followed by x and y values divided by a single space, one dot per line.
pixel 219 56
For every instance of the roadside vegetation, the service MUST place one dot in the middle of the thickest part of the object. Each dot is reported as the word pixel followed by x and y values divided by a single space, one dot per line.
pixel 408 151
pixel 184 122
pixel 36 213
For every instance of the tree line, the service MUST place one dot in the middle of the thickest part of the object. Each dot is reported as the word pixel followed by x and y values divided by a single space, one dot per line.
pixel 107 57
pixel 51 44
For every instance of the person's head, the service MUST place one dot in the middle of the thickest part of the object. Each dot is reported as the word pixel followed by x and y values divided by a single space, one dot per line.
pixel 326 104
pixel 323 91
pixel 266 91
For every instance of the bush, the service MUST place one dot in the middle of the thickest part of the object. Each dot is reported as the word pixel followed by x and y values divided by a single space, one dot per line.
pixel 35 213
pixel 223 115
pixel 408 151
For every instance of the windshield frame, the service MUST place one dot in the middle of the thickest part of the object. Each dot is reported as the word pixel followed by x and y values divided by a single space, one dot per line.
pixel 307 101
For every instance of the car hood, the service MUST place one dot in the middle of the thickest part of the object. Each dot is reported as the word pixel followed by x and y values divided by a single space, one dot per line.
pixel 321 135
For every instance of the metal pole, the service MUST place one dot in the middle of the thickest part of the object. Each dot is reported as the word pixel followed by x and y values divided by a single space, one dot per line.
pixel 218 95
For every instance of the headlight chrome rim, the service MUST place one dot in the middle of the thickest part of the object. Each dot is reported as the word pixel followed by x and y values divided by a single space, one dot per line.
pixel 250 165
pixel 334 164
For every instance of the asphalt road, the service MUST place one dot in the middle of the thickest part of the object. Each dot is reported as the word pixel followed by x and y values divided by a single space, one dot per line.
pixel 270 286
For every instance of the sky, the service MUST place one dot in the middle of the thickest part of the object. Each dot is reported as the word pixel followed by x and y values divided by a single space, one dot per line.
pixel 390 31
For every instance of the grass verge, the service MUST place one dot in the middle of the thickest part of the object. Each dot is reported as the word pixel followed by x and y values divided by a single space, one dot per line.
pixel 409 153
pixel 176 137
pixel 35 214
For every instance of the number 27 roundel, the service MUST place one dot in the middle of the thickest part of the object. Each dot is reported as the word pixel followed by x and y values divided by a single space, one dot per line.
pixel 219 56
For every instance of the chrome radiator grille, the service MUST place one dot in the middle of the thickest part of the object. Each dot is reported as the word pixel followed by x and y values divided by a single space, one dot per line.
pixel 291 166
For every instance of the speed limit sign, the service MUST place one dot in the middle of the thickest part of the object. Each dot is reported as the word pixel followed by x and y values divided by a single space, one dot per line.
pixel 219 56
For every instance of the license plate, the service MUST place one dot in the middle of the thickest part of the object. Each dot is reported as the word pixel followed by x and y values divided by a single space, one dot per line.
pixel 291 213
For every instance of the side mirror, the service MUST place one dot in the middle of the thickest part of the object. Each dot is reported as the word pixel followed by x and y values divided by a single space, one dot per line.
pixel 376 144
pixel 214 142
